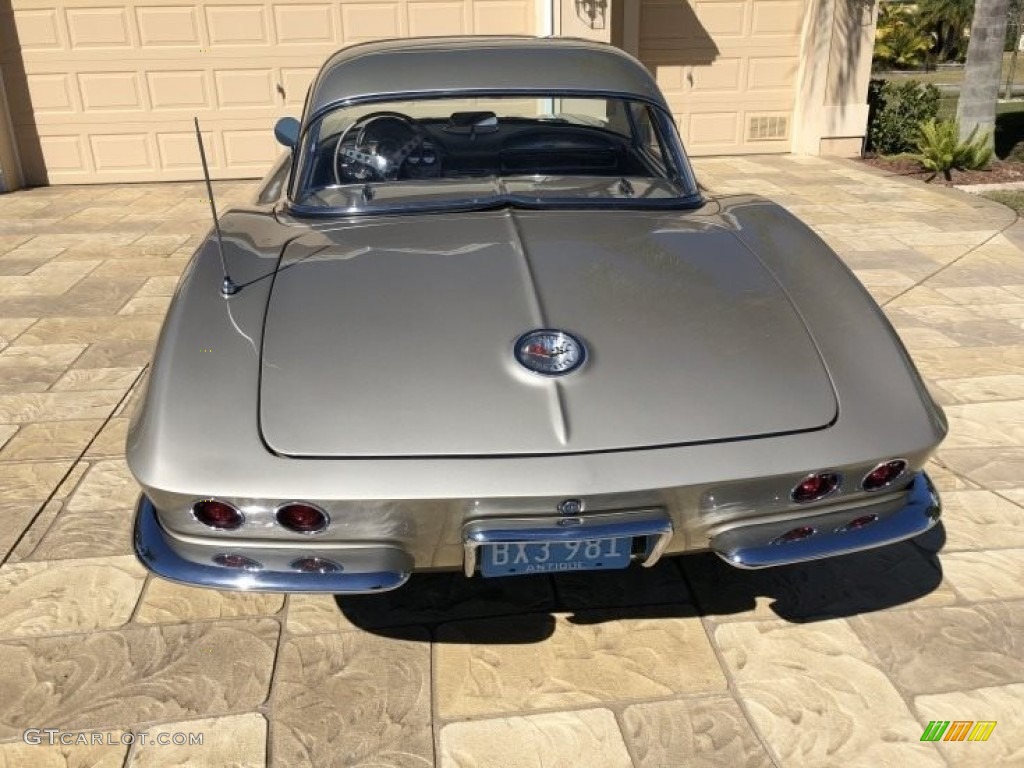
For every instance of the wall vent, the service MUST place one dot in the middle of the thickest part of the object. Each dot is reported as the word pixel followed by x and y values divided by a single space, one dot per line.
pixel 768 128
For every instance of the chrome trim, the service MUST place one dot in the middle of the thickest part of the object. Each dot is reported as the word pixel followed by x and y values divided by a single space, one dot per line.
pixel 750 546
pixel 802 480
pixel 571 507
pixel 882 464
pixel 154 549
pixel 640 522
pixel 192 511
pixel 327 517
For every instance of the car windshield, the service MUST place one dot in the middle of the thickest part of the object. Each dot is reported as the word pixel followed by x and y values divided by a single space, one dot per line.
pixel 466 153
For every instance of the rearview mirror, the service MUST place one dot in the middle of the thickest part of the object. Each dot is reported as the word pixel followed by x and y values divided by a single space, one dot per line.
pixel 472 122
pixel 286 131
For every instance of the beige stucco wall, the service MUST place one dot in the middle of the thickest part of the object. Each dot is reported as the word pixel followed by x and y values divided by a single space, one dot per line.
pixel 831 112
pixel 104 90
pixel 590 19
pixel 728 68
pixel 749 76
pixel 107 89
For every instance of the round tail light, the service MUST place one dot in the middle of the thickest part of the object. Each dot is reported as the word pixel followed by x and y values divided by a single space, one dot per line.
pixel 797 534
pixel 884 474
pixel 816 487
pixel 217 514
pixel 238 561
pixel 316 565
pixel 302 518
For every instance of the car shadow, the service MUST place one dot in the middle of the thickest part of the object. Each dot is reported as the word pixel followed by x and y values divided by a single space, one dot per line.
pixel 854 584
pixel 522 610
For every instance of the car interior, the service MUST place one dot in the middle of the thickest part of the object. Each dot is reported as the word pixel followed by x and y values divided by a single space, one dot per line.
pixel 391 146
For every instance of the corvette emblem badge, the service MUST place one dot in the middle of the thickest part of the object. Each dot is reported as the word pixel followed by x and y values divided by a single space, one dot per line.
pixel 550 352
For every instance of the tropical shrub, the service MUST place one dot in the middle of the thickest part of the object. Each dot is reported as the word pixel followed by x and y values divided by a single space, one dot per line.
pixel 896 110
pixel 940 150
pixel 898 40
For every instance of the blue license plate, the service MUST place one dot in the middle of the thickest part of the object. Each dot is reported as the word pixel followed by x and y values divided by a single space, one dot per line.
pixel 519 559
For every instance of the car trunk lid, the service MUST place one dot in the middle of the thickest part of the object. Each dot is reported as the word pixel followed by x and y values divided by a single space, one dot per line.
pixel 394 337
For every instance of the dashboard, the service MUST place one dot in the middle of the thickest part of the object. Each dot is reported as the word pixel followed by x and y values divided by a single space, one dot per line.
pixel 391 147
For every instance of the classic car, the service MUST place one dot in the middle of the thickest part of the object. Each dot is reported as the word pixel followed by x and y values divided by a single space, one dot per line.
pixel 482 317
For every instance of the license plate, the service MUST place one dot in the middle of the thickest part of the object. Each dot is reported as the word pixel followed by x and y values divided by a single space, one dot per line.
pixel 519 558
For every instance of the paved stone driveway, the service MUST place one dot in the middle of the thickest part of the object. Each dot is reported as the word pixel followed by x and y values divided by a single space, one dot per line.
pixel 837 663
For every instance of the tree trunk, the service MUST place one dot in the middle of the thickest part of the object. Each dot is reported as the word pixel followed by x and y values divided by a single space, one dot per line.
pixel 977 105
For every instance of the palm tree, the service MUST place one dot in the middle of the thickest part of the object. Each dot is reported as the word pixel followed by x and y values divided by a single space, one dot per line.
pixel 949 19
pixel 976 109
pixel 898 42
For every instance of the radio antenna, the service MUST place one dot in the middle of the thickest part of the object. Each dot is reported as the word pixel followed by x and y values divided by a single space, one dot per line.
pixel 227 285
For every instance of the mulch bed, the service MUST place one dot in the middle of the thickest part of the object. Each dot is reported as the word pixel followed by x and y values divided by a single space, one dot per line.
pixel 998 172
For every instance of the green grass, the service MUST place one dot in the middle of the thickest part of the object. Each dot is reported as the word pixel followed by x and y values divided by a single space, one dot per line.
pixel 956 76
pixel 1014 200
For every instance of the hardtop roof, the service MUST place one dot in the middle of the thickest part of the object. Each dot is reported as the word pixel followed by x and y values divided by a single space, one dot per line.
pixel 443 65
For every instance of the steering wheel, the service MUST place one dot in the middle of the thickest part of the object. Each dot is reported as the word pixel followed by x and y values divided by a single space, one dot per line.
pixel 375 146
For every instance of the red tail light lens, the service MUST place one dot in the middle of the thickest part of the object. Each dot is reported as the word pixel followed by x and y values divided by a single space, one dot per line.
pixel 238 561
pixel 859 522
pixel 815 487
pixel 302 518
pixel 316 565
pixel 217 514
pixel 884 474
pixel 797 534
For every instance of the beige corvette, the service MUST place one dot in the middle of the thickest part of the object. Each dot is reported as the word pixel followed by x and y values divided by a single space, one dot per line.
pixel 481 317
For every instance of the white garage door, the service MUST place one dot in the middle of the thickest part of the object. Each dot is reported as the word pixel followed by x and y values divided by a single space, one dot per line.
pixel 114 83
pixel 728 69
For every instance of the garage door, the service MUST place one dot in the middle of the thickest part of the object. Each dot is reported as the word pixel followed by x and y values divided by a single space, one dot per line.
pixel 728 69
pixel 109 87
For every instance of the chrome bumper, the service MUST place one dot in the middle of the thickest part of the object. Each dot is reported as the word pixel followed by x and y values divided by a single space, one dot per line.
pixel 761 546
pixel 364 569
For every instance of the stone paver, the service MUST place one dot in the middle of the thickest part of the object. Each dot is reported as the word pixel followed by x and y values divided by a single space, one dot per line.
pixel 556 740
pixel 691 663
pixel 169 603
pixel 239 741
pixel 711 732
pixel 135 675
pixel 68 596
pixel 816 696
pixel 537 661
pixel 987 575
pixel 984 521
pixel 110 752
pixel 353 698
pixel 945 649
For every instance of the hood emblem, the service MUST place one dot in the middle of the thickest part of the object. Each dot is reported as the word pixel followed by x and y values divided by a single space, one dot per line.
pixel 550 352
